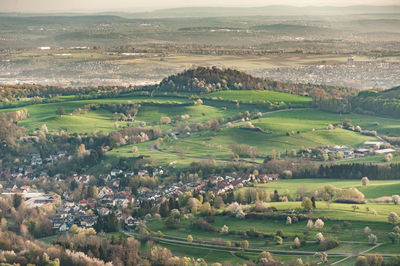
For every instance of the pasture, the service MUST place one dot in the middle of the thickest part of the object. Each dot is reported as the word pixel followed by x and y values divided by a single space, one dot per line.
pixel 252 96
pixel 290 187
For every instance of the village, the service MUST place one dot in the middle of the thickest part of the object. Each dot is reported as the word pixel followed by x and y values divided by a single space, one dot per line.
pixel 113 198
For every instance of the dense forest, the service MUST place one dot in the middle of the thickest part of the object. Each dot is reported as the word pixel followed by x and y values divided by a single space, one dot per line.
pixel 351 171
pixel 382 103
pixel 15 92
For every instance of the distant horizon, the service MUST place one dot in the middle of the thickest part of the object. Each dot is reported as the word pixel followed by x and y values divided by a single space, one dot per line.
pixel 79 6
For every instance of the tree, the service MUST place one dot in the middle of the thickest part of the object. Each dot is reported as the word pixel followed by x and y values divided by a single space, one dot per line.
pixel 205 209
pixel 367 231
pixel 388 157
pixel 190 238
pixel 135 149
pixel 164 209
pixel 218 202
pixel 306 204
pixel 319 237
pixel 286 174
pixel 93 192
pixel 396 199
pixel 60 111
pixel 297 242
pixel 276 196
pixel 17 200
pixel 319 223
pixel 310 224
pixel 365 181
pixel 44 128
pixel 244 244
pixel 165 120
pixel 224 229
pixel 361 261
pixel 323 256
pixel 372 239
pixel 393 218
pixel 394 237
pixel 313 202
pixel 374 259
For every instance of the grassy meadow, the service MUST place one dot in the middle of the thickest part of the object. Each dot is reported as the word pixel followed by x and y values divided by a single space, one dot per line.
pixel 250 96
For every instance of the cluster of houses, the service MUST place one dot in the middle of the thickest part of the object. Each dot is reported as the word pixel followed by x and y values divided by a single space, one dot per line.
pixel 32 197
pixel 36 159
pixel 113 198
pixel 367 149
pixel 373 147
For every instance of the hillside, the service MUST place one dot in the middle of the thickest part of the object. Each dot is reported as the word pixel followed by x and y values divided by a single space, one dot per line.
pixel 206 80
pixel 385 102
pixel 270 10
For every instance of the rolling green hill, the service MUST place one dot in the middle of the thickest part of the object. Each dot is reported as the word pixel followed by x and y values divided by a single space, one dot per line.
pixel 385 102
pixel 254 96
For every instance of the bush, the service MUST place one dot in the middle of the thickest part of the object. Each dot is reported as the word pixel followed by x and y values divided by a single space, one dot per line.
pixel 328 243
pixel 350 201
pixel 319 237
pixel 365 181
pixel 280 233
pixel 372 239
pixel 204 226
pixel 347 224
pixel 319 223
pixel 336 227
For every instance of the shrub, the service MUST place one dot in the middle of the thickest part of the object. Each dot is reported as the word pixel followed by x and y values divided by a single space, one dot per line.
pixel 204 225
pixel 319 237
pixel 374 259
pixel 347 224
pixel 393 218
pixel 335 228
pixel 319 224
pixel 350 201
pixel 310 224
pixel 297 242
pixel 280 233
pixel 261 206
pixel 279 240
pixel 224 229
pixel 328 243
pixel 165 120
pixel 372 239
pixel 286 174
pixel 361 261
pixel 236 210
pixel 306 204
pixel 365 181
pixel 396 199
pixel 367 231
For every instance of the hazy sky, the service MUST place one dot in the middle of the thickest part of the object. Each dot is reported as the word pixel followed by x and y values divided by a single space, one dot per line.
pixel 141 5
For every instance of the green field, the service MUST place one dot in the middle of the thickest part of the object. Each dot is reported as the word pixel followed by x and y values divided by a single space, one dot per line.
pixel 251 96
pixel 283 131
pixel 376 188
pixel 217 144
pixel 40 114
pixel 352 237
